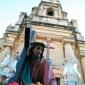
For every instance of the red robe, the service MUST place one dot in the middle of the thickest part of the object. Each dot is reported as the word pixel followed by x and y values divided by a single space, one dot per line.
pixel 42 71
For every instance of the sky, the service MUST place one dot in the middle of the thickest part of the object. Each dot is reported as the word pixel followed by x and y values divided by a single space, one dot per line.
pixel 11 9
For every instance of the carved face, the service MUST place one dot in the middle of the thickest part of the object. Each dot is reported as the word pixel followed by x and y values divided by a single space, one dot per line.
pixel 37 51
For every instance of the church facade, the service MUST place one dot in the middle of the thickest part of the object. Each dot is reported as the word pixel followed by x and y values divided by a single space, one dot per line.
pixel 64 41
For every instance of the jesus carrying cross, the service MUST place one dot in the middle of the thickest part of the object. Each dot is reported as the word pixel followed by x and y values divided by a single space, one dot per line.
pixel 36 69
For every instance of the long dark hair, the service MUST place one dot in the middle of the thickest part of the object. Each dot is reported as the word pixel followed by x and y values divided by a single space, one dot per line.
pixel 29 57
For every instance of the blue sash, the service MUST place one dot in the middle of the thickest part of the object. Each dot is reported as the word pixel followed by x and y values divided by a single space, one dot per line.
pixel 26 74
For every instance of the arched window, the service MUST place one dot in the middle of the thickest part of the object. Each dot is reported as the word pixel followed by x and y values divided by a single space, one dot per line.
pixel 50 12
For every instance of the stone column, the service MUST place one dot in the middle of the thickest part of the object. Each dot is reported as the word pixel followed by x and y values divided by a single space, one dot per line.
pixel 83 66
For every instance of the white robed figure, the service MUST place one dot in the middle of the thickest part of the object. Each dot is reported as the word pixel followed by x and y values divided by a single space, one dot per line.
pixel 8 66
pixel 70 71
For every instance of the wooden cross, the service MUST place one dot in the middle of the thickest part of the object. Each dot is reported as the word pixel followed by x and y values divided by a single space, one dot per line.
pixel 48 49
